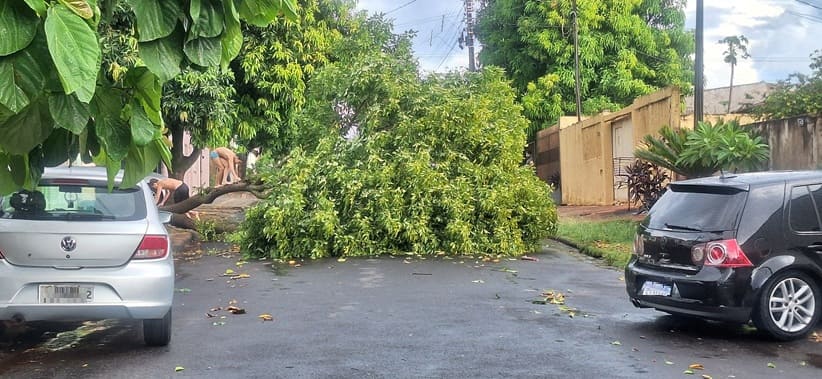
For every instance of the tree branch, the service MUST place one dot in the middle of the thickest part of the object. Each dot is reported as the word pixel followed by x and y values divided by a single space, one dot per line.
pixel 258 190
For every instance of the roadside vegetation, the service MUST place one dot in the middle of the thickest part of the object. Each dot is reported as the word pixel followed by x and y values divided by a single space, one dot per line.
pixel 610 240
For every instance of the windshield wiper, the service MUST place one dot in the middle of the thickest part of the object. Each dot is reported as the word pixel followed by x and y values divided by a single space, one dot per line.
pixel 680 227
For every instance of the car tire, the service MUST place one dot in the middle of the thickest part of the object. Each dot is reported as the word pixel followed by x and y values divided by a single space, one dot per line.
pixel 789 306
pixel 157 332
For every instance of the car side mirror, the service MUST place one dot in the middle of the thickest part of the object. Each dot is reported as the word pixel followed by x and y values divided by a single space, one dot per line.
pixel 165 217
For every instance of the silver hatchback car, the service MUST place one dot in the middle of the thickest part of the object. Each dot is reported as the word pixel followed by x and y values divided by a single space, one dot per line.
pixel 72 250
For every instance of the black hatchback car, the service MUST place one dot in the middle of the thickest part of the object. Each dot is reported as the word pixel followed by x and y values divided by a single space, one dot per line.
pixel 734 248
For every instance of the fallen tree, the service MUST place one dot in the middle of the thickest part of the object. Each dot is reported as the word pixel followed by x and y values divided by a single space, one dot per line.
pixel 207 196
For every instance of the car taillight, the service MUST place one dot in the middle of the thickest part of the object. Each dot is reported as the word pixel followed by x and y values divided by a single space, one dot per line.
pixel 722 254
pixel 152 247
pixel 639 245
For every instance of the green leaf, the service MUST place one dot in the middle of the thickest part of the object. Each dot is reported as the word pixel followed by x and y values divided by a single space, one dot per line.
pixel 205 52
pixel 26 129
pixel 68 112
pixel 75 51
pixel 7 185
pixel 139 162
pixel 142 129
pixel 164 56
pixel 148 90
pixel 19 165
pixel 194 10
pixel 18 25
pixel 11 95
pixel 162 148
pixel 210 20
pixel 263 12
pixel 79 7
pixel 112 131
pixel 38 6
pixel 289 9
pixel 155 18
pixel 232 39
pixel 58 148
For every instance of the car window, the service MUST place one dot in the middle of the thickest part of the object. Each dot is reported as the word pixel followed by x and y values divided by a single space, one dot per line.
pixel 697 208
pixel 75 202
pixel 804 216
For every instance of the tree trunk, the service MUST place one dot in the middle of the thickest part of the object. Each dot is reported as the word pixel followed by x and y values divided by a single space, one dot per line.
pixel 211 194
pixel 731 90
pixel 180 162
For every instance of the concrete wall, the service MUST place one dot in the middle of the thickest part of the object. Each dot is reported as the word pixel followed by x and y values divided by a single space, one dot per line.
pixel 687 121
pixel 587 151
pixel 795 143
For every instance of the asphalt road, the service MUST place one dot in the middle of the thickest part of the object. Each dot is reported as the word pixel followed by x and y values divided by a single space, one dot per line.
pixel 405 318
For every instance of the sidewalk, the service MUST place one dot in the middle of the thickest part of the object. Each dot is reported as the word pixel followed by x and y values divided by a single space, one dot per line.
pixel 597 212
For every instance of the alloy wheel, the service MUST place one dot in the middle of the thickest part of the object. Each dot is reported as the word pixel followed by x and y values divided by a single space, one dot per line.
pixel 792 304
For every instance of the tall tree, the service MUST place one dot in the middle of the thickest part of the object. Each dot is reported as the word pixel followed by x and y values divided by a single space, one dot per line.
pixel 798 95
pixel 58 98
pixel 737 48
pixel 628 48
pixel 275 64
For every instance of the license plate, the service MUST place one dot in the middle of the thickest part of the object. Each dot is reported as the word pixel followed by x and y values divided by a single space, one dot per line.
pixel 66 294
pixel 650 288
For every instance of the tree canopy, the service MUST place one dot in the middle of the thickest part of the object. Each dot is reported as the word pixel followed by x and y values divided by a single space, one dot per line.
pixel 798 95
pixel 59 96
pixel 628 48
pixel 390 163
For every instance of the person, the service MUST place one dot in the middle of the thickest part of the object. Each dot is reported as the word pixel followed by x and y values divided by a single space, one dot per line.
pixel 177 190
pixel 226 162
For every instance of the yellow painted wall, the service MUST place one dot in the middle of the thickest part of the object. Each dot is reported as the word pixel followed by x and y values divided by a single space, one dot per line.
pixel 586 148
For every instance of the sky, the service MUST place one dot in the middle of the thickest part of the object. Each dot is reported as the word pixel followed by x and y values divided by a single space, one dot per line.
pixel 782 34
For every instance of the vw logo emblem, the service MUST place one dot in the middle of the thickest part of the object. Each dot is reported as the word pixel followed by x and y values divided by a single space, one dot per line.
pixel 68 244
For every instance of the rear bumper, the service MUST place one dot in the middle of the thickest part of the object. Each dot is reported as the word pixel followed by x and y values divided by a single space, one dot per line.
pixel 711 293
pixel 137 290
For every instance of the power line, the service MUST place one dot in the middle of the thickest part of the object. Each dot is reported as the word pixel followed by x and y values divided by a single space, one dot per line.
pixel 812 5
pixel 401 6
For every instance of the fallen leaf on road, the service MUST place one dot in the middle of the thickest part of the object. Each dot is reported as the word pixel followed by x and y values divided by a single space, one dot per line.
pixel 292 263
pixel 228 272
pixel 696 366
pixel 184 290
pixel 771 365
pixel 816 337
pixel 266 317
pixel 527 258
pixel 85 364
pixel 179 368
pixel 669 363
pixel 341 260
pixel 236 310
pixel 478 281
pixel 688 372
pixel 621 278
pixel 209 315
pixel 241 276
pixel 707 377
pixel 616 343
pixel 216 309
pixel 233 302
pixel 218 323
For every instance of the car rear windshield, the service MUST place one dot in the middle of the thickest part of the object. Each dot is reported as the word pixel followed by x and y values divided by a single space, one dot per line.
pixel 77 201
pixel 697 208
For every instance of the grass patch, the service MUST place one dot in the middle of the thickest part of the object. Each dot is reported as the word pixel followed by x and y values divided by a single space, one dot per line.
pixel 610 240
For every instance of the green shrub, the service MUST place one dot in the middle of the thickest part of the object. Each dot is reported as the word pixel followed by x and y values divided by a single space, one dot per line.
pixel 444 176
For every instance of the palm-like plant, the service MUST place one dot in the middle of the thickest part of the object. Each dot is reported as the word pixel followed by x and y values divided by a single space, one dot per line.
pixel 705 150
pixel 666 151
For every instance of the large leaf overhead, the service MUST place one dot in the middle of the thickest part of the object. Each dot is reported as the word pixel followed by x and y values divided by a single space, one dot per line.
pixel 11 95
pixel 68 112
pixel 18 25
pixel 155 18
pixel 79 7
pixel 25 130
pixel 232 40
pixel 204 52
pixel 163 56
pixel 75 51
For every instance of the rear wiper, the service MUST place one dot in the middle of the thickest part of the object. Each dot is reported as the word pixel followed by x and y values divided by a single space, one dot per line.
pixel 680 227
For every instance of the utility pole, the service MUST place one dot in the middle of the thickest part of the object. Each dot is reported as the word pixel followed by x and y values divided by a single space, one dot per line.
pixel 699 81
pixel 469 40
pixel 576 62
